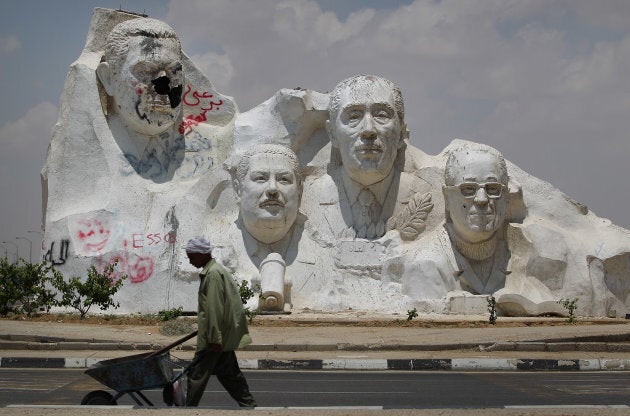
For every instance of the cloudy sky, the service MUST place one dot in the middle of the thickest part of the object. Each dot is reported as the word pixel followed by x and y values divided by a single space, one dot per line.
pixel 546 82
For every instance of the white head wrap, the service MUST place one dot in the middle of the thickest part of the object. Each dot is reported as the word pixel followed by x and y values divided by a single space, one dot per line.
pixel 198 244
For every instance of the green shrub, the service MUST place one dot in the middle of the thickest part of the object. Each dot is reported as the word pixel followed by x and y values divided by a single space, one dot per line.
pixel 492 310
pixel 168 314
pixel 98 289
pixel 570 305
pixel 23 287
pixel 413 313
pixel 246 292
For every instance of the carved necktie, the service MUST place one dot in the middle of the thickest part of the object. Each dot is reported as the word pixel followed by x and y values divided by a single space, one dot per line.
pixel 366 212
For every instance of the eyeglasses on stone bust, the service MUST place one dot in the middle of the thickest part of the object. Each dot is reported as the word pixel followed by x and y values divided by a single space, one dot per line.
pixel 493 190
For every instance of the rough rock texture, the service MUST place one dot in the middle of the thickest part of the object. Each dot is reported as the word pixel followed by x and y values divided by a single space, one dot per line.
pixel 97 209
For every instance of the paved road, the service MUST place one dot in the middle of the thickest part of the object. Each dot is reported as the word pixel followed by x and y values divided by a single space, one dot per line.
pixel 382 389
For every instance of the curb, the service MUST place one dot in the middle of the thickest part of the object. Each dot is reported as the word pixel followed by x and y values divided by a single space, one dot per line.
pixel 446 364
pixel 34 343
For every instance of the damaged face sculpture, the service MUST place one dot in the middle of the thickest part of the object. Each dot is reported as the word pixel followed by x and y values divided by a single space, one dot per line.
pixel 366 125
pixel 475 193
pixel 142 73
pixel 268 186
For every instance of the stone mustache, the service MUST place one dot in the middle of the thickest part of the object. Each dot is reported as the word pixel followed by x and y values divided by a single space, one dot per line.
pixel 317 200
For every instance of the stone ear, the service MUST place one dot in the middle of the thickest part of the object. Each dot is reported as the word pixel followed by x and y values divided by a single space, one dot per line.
pixel 237 189
pixel 404 134
pixel 104 73
pixel 331 135
pixel 447 210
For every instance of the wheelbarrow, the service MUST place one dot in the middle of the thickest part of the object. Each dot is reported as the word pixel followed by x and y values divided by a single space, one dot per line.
pixel 131 374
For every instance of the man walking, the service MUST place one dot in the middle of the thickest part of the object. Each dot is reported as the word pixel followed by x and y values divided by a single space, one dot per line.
pixel 222 329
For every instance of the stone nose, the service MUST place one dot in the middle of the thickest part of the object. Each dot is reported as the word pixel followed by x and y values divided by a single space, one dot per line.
pixel 272 187
pixel 368 130
pixel 481 197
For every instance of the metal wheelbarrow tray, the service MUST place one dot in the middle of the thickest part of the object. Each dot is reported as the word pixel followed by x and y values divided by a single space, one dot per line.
pixel 131 374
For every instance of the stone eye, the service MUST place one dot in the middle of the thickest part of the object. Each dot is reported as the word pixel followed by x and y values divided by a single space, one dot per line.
pixel 353 117
pixel 143 70
pixel 259 178
pixel 468 189
pixel 493 189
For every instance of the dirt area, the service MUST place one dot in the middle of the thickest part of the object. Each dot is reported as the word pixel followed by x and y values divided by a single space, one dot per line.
pixel 321 319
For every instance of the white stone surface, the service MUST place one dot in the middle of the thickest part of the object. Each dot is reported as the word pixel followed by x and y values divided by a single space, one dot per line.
pixel 98 207
pixel 372 228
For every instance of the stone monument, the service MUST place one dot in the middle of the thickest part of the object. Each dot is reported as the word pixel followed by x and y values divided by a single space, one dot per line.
pixel 316 200
pixel 368 136
pixel 139 126
pixel 472 252
pixel 267 183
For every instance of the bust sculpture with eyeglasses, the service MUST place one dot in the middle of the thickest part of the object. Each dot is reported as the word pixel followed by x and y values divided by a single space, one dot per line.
pixel 474 197
pixel 473 253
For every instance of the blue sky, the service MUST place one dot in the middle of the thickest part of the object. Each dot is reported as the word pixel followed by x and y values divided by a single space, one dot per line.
pixel 544 81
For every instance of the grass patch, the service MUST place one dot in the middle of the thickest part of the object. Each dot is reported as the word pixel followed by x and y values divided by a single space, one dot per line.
pixel 180 326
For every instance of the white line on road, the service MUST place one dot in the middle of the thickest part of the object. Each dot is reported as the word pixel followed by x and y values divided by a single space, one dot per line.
pixel 323 408
pixel 572 406
pixel 52 406
pixel 76 406
pixel 321 392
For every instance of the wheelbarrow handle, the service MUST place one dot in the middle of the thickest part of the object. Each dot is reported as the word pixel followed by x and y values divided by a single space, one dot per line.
pixel 174 344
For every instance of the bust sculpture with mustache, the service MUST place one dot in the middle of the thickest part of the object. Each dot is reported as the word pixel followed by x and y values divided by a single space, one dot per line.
pixel 268 186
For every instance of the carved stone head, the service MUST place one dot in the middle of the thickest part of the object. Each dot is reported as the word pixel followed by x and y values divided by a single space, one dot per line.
pixel 142 72
pixel 366 123
pixel 476 193
pixel 268 187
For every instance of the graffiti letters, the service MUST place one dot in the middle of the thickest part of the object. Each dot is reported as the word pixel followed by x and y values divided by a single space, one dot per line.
pixel 147 240
pixel 203 106
pixel 63 253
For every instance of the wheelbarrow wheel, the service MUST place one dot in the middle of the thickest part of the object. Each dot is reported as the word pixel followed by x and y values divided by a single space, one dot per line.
pixel 98 398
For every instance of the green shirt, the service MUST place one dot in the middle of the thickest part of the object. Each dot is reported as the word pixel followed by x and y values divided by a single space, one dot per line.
pixel 220 315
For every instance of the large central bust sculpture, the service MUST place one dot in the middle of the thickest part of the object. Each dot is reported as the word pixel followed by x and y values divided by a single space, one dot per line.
pixel 366 190
pixel 316 200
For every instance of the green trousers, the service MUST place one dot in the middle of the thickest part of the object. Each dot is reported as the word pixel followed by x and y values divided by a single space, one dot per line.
pixel 225 367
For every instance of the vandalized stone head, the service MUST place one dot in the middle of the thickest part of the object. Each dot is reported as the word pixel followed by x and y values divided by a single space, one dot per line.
pixel 366 123
pixel 141 71
pixel 475 192
pixel 268 186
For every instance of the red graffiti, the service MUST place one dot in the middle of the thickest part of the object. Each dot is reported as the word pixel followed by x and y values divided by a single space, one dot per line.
pixel 189 122
pixel 198 97
pixel 93 235
pixel 194 120
pixel 141 270
pixel 146 240
pixel 137 268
